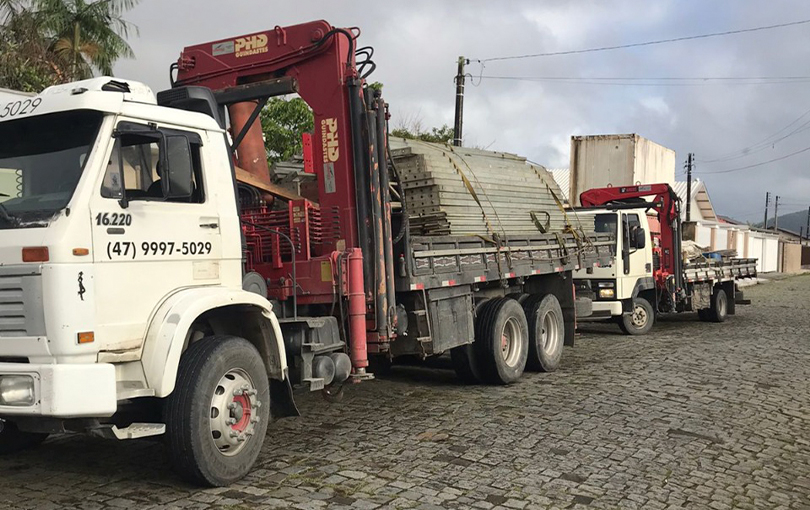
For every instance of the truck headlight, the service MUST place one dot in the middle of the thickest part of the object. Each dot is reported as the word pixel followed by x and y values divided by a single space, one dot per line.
pixel 17 390
pixel 606 293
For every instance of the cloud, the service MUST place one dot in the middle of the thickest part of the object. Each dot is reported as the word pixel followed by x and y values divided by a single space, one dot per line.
pixel 418 42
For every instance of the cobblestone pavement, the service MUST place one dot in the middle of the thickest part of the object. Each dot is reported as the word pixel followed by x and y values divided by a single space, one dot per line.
pixel 695 415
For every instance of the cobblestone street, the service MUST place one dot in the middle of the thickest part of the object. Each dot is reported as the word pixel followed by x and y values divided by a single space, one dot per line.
pixel 694 415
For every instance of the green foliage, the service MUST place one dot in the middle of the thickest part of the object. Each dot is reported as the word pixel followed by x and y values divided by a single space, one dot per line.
pixel 283 123
pixel 47 42
pixel 443 134
pixel 88 35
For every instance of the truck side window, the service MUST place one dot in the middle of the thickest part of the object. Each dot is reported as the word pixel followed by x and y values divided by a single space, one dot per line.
pixel 630 222
pixel 138 160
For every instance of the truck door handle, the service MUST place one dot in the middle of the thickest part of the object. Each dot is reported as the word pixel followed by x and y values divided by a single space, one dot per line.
pixel 209 225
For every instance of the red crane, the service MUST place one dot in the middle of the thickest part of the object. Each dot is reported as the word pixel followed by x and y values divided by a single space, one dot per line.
pixel 342 242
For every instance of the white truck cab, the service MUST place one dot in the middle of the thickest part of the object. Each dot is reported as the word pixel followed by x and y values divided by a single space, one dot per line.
pixel 121 278
pixel 625 289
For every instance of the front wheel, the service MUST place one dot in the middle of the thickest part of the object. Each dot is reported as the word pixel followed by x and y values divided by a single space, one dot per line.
pixel 216 418
pixel 640 320
pixel 14 440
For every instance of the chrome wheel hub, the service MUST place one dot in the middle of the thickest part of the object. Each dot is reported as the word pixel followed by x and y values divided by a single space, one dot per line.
pixel 511 338
pixel 233 415
pixel 639 316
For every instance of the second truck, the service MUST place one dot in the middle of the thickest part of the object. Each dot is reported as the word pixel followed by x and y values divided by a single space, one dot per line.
pixel 650 274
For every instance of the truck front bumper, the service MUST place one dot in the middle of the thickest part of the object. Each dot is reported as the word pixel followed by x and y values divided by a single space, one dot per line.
pixel 63 391
pixel 607 308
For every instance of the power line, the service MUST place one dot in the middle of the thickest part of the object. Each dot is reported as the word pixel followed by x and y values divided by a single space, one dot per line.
pixel 649 43
pixel 758 164
pixel 764 143
pixel 673 78
pixel 652 82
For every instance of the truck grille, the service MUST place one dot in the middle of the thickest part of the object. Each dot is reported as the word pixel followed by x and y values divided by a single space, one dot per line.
pixel 21 311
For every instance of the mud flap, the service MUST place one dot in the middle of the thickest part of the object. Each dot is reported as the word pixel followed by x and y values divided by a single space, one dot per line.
pixel 282 403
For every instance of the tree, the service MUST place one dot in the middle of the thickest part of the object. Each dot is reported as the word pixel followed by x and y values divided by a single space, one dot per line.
pixel 443 134
pixel 88 35
pixel 26 60
pixel 283 123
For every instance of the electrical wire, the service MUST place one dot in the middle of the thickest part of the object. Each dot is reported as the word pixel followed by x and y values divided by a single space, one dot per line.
pixel 649 43
pixel 758 164
pixel 764 143
pixel 655 82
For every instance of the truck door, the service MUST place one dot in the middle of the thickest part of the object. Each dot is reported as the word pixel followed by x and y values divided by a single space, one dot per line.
pixel 635 263
pixel 155 230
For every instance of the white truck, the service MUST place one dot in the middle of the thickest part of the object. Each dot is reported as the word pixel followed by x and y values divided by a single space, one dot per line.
pixel 649 275
pixel 122 309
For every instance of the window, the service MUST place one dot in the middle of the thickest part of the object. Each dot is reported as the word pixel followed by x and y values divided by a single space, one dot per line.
pixel 139 157
pixel 605 223
pixel 41 161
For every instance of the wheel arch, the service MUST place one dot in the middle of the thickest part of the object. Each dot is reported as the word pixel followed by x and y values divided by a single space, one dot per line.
pixel 226 311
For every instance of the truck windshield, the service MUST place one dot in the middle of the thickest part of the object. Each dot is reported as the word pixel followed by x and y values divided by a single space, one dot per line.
pixel 41 161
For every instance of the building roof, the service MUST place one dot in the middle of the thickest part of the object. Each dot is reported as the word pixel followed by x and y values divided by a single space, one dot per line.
pixel 700 196
pixel 563 178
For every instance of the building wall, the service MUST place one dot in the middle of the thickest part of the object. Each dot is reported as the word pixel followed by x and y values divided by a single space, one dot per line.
pixel 752 244
pixel 791 258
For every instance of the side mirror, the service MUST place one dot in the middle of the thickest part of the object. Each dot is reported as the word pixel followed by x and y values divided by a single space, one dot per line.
pixel 639 238
pixel 178 173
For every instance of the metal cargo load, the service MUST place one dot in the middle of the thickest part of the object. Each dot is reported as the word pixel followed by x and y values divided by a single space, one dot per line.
pixel 462 191
pixel 599 161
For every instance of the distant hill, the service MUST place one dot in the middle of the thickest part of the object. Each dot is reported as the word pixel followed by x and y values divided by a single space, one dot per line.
pixel 792 221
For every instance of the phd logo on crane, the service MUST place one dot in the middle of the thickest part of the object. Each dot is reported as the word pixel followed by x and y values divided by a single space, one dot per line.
pixel 331 152
pixel 329 140
pixel 242 47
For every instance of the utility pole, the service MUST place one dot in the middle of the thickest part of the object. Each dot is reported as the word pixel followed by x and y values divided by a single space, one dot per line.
pixel 689 163
pixel 776 214
pixel 767 202
pixel 459 121
pixel 807 230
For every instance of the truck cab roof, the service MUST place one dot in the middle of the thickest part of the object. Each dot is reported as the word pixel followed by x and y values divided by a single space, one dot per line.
pixel 110 95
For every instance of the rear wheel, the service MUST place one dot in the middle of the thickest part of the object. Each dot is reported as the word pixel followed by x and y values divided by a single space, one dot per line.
pixel 641 318
pixel 14 440
pixel 719 309
pixel 465 363
pixel 502 340
pixel 546 332
pixel 216 417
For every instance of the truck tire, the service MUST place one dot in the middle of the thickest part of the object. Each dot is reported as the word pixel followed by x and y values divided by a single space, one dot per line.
pixel 465 363
pixel 14 440
pixel 719 309
pixel 546 333
pixel 216 417
pixel 640 320
pixel 502 340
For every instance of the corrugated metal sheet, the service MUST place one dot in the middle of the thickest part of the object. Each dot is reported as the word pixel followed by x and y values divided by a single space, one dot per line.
pixel 598 161
pixel 458 190
pixel 562 176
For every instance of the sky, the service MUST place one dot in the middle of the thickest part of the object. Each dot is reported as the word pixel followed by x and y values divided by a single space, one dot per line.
pixel 728 124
